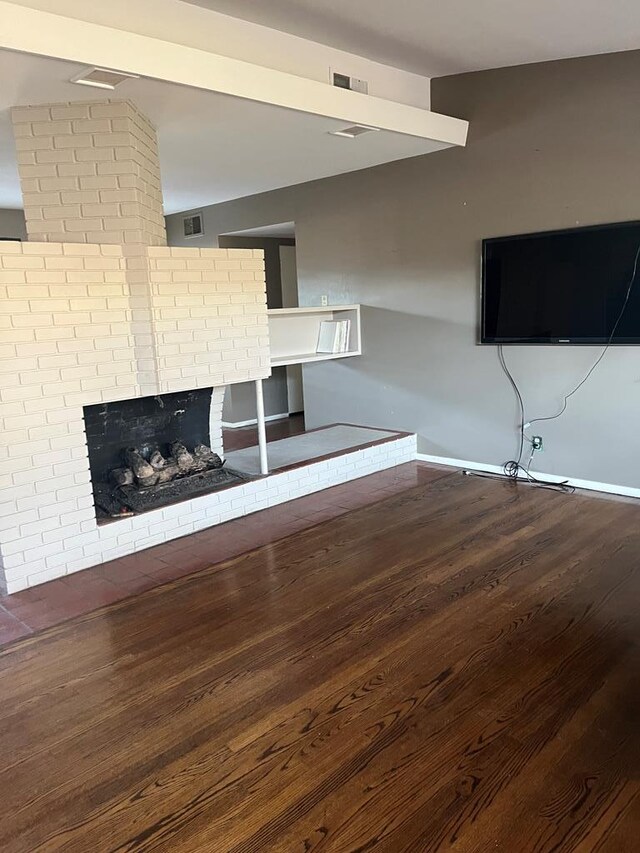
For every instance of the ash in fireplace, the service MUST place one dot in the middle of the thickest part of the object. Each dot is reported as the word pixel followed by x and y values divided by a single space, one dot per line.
pixel 148 481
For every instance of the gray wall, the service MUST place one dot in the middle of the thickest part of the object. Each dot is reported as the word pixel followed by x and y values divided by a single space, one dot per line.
pixel 551 146
pixel 240 399
pixel 12 224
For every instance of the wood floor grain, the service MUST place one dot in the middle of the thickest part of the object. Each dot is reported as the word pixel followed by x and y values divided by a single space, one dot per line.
pixel 453 668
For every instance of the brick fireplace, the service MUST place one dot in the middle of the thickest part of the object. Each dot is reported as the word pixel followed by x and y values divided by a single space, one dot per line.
pixel 97 313
pixel 132 446
pixel 96 309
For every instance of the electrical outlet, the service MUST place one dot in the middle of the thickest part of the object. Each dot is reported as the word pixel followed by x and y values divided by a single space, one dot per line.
pixel 324 301
pixel 537 443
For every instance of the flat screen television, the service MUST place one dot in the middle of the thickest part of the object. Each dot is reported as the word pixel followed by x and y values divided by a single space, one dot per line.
pixel 561 287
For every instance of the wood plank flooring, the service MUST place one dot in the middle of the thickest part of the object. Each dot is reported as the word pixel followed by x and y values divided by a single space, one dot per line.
pixel 453 668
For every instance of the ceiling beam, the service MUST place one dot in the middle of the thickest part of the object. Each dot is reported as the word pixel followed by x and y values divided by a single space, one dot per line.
pixel 37 32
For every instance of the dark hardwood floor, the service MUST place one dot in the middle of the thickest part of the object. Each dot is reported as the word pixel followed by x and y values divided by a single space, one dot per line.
pixel 241 437
pixel 452 668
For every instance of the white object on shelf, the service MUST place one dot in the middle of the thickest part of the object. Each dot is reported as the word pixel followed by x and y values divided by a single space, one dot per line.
pixel 333 336
pixel 328 336
pixel 345 330
pixel 294 333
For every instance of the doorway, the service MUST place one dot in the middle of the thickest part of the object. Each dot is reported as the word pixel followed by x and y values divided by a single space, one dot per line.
pixel 283 391
pixel 289 283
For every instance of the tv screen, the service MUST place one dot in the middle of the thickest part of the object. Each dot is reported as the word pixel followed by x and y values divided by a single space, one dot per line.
pixel 561 287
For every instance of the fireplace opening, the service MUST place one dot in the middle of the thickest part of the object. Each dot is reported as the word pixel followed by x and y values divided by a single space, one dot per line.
pixel 149 452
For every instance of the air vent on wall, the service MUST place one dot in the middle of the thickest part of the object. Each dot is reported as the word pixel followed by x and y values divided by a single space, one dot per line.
pixel 353 131
pixel 193 225
pixel 344 81
pixel 102 78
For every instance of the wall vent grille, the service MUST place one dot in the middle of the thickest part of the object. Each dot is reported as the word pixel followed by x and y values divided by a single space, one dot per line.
pixel 193 225
pixel 354 131
pixel 102 78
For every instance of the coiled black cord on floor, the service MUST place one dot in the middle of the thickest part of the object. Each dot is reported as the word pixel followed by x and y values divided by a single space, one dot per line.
pixel 513 468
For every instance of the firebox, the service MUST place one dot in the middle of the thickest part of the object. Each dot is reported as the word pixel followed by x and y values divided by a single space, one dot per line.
pixel 149 452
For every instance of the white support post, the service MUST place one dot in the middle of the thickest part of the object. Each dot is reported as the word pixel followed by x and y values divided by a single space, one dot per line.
pixel 262 431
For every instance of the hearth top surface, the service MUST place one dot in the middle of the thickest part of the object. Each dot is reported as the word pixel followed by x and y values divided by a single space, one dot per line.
pixel 308 446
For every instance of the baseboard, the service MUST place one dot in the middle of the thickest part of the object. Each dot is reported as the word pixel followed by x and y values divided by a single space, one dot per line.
pixel 253 421
pixel 590 485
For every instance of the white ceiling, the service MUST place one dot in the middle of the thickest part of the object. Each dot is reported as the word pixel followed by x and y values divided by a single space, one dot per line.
pixel 438 37
pixel 282 229
pixel 213 147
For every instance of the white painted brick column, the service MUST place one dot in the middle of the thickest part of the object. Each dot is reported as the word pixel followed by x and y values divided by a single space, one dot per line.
pixel 90 173
pixel 215 421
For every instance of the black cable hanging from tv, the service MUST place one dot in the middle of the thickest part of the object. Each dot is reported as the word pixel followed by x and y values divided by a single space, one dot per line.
pixel 604 350
pixel 513 467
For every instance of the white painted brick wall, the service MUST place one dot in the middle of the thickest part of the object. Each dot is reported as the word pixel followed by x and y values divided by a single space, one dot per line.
pixel 107 324
pixel 200 332
pixel 90 173
pixel 82 324
pixel 215 420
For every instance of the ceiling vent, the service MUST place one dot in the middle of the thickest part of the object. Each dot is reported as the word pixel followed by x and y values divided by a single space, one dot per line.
pixel 193 225
pixel 102 78
pixel 353 131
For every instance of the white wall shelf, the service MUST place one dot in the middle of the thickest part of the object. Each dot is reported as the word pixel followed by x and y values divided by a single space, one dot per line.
pixel 293 333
